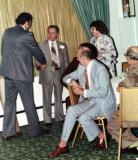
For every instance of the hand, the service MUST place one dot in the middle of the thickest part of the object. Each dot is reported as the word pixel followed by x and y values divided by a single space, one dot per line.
pixel 78 90
pixel 74 83
pixel 41 66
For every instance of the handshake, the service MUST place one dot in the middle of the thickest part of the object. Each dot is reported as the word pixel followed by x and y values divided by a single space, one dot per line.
pixel 40 66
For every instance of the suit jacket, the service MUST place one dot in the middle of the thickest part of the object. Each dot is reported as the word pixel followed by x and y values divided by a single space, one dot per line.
pixel 18 49
pixel 46 74
pixel 100 90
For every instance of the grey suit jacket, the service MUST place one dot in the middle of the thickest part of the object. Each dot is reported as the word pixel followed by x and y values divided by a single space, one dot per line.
pixel 45 74
pixel 18 49
pixel 100 91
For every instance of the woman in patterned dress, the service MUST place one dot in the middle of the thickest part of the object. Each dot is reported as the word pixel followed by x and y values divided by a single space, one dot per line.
pixel 107 52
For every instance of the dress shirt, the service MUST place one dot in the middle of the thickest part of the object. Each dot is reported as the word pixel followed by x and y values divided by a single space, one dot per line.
pixel 56 48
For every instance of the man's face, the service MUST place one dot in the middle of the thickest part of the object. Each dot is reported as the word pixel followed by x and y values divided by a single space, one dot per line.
pixel 52 34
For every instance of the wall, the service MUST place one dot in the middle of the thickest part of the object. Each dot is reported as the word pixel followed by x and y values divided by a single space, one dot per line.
pixel 123 30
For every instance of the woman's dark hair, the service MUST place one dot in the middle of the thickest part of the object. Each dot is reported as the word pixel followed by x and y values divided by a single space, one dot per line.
pixel 55 27
pixel 23 17
pixel 90 51
pixel 100 26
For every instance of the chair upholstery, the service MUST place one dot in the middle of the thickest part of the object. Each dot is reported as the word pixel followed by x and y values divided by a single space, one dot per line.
pixel 100 119
pixel 128 111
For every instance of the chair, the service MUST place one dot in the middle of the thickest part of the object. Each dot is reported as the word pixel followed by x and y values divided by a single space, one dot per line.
pixel 125 66
pixel 128 110
pixel 100 119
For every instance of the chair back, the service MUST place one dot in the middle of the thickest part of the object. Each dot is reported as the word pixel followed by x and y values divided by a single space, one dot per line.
pixel 128 104
pixel 125 66
pixel 73 97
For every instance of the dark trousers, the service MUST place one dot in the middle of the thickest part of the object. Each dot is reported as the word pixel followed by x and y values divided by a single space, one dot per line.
pixel 25 89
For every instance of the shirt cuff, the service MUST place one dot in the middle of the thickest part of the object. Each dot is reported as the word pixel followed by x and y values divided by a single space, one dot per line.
pixel 84 93
pixel 68 80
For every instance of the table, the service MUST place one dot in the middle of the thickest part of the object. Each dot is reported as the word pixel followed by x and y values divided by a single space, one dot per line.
pixel 115 81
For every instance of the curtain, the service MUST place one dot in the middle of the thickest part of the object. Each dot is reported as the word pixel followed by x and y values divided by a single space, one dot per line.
pixel 45 13
pixel 91 10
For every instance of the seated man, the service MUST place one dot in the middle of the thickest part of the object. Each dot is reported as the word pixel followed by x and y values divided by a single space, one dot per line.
pixel 131 80
pixel 96 98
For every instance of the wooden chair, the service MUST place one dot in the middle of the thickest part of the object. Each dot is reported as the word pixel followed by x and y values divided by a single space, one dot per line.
pixel 128 111
pixel 125 66
pixel 100 119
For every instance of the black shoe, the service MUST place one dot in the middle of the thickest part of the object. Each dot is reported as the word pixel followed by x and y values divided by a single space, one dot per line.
pixel 130 150
pixel 43 132
pixel 17 135
pixel 48 125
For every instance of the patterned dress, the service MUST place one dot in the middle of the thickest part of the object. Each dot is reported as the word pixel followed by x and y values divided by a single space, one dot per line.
pixel 106 52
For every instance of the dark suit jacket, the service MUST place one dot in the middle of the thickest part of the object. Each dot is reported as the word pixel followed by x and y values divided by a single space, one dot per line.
pixel 18 49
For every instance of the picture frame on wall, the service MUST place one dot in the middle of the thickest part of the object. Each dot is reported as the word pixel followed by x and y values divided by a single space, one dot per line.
pixel 128 8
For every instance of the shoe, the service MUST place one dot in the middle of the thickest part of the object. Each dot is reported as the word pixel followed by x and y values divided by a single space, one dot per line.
pixel 17 135
pixel 100 146
pixel 48 125
pixel 43 132
pixel 59 151
pixel 129 150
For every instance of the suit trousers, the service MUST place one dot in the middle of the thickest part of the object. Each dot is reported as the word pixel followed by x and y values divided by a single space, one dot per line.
pixel 2 91
pixel 25 89
pixel 85 112
pixel 47 98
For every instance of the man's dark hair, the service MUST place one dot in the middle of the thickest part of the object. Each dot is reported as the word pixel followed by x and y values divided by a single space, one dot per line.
pixel 55 27
pixel 90 51
pixel 23 17
pixel 100 26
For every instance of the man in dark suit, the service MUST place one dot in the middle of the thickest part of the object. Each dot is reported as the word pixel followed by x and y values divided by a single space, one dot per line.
pixel 18 49
pixel 56 54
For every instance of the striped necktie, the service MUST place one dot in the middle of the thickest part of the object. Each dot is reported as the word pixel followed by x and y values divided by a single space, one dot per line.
pixel 86 85
pixel 54 57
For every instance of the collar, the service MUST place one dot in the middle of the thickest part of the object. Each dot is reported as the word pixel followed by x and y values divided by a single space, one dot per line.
pixel 89 65
pixel 50 42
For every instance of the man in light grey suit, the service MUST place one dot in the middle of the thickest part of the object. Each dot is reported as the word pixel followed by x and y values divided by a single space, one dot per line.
pixel 50 76
pixel 18 49
pixel 95 99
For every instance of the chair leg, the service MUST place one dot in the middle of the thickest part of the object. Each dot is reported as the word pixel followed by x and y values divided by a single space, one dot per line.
pixel 81 134
pixel 119 145
pixel 75 136
pixel 105 139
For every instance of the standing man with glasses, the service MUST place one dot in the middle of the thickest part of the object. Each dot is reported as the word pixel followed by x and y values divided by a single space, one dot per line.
pixel 18 49
pixel 56 54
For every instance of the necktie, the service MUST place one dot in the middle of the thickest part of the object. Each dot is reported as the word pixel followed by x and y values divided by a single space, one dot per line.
pixel 54 57
pixel 86 79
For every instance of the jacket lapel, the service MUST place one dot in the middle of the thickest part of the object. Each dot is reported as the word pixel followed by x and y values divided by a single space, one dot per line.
pixel 59 52
pixel 47 52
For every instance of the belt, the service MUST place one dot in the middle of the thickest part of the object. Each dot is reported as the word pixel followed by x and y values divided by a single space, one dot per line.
pixel 55 68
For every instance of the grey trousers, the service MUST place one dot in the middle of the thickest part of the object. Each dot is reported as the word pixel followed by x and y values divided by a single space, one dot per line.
pixel 25 89
pixel 47 98
pixel 85 113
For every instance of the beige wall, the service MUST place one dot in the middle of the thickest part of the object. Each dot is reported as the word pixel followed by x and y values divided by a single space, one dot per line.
pixel 45 12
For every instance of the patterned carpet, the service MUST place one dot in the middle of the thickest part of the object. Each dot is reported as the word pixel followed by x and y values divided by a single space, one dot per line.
pixel 28 148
